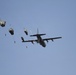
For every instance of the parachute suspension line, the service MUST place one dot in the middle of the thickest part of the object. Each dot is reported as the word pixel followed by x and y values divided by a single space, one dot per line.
pixel 13 39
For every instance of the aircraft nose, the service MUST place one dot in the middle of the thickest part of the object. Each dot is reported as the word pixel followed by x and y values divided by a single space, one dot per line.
pixel 44 45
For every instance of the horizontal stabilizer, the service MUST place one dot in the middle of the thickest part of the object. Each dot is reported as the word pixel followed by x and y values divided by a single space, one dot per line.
pixel 37 35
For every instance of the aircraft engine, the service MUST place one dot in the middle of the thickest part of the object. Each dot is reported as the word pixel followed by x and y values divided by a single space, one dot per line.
pixel 32 42
pixel 52 40
pixel 47 41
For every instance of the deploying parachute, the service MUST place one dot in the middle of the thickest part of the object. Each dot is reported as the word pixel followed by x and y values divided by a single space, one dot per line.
pixel 2 23
pixel 11 31
pixel 26 32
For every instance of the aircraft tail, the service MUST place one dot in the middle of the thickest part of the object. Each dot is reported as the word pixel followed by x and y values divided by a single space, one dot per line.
pixel 37 34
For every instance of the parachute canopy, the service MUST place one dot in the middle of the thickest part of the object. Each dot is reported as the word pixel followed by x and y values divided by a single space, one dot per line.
pixel 2 23
pixel 11 31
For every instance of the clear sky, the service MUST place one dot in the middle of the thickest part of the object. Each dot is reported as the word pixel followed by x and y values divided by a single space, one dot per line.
pixel 55 18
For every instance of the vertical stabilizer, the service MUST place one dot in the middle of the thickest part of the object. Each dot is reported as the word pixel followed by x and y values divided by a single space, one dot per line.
pixel 37 31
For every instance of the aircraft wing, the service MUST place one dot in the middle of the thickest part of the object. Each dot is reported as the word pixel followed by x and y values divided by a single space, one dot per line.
pixel 46 39
pixel 32 41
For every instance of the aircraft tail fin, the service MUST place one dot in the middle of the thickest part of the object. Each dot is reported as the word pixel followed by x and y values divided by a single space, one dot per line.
pixel 37 34
pixel 37 31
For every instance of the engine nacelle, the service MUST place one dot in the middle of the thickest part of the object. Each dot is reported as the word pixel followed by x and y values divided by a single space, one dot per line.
pixel 52 40
pixel 32 42
pixel 47 41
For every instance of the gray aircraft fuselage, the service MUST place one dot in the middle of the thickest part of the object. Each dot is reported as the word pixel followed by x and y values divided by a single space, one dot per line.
pixel 41 41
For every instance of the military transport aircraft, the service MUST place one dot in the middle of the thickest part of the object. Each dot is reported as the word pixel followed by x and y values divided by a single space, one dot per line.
pixel 39 39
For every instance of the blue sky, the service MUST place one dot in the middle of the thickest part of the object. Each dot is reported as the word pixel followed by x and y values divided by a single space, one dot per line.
pixel 53 17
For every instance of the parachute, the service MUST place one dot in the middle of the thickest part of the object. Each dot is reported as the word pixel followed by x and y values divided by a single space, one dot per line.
pixel 11 31
pixel 2 23
pixel 26 32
